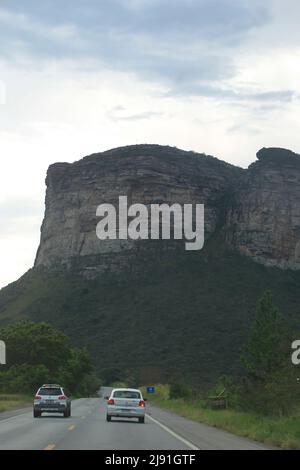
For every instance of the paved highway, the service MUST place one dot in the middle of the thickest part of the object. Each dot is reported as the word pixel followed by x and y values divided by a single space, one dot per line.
pixel 88 429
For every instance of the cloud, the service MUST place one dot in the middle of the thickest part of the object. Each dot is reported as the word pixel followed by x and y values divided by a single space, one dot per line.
pixel 222 91
pixel 119 113
pixel 242 126
pixel 186 46
pixel 227 19
pixel 2 92
pixel 179 44
pixel 273 96
pixel 23 33
pixel 18 216
pixel 216 76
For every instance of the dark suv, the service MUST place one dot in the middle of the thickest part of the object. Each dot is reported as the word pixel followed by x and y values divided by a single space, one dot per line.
pixel 51 398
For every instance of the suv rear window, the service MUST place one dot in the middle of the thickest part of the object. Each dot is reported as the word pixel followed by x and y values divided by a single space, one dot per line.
pixel 50 391
pixel 126 394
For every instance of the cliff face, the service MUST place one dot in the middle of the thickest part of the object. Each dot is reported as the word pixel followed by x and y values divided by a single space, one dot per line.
pixel 257 209
pixel 263 220
pixel 146 174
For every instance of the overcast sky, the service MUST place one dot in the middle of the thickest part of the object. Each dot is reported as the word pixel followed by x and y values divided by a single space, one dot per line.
pixel 77 77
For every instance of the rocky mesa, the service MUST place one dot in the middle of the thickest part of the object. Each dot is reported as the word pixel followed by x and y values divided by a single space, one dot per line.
pixel 146 174
pixel 256 210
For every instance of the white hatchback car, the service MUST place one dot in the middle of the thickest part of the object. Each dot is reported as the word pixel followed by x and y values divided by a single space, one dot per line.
pixel 126 403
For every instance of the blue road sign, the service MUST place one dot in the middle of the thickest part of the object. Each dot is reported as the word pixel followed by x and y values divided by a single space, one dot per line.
pixel 150 389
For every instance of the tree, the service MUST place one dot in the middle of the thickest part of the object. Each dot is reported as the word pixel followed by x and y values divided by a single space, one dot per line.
pixel 23 378
pixel 37 353
pixel 35 343
pixel 270 384
pixel 74 370
pixel 109 375
pixel 268 344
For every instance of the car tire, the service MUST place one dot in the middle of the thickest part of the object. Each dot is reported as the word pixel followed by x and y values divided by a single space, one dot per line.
pixel 108 418
pixel 69 412
pixel 142 419
pixel 36 414
pixel 66 414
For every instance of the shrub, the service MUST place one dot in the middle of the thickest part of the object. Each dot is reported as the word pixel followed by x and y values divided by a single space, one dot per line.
pixel 179 390
pixel 23 379
pixel 37 354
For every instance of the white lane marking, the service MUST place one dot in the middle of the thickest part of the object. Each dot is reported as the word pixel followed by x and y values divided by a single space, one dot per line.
pixel 174 434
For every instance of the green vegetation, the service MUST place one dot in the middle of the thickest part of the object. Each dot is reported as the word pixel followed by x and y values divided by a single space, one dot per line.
pixel 37 353
pixel 10 402
pixel 277 431
pixel 186 316
pixel 271 383
pixel 268 345
pixel 264 403
pixel 111 375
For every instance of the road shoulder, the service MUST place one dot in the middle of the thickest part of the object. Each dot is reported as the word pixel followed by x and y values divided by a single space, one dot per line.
pixel 203 436
pixel 14 412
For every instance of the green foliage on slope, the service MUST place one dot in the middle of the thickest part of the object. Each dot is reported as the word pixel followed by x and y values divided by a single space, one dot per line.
pixel 181 314
pixel 37 353
pixel 270 385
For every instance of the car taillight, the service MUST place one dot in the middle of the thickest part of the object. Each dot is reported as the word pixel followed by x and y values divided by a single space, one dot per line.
pixel 62 397
pixel 111 401
pixel 142 403
pixel 37 397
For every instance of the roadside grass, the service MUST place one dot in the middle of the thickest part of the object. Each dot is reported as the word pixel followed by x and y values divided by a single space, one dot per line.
pixel 13 401
pixel 281 432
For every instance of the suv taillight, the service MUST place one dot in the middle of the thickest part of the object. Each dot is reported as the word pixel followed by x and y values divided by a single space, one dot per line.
pixel 62 397
pixel 37 397
pixel 142 403
pixel 111 401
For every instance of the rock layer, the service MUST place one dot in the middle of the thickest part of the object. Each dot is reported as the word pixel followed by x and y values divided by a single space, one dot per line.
pixel 257 209
pixel 263 221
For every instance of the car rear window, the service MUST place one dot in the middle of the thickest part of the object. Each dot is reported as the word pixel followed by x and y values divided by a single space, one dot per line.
pixel 50 391
pixel 126 394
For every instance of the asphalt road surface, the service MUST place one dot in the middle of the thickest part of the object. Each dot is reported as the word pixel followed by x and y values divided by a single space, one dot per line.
pixel 87 429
